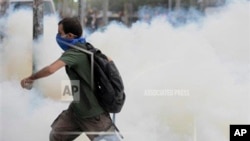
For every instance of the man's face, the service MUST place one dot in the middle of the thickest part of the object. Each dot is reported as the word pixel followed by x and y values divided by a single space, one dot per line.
pixel 61 31
pixel 63 34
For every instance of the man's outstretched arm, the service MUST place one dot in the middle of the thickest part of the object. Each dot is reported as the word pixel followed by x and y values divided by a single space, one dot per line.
pixel 46 71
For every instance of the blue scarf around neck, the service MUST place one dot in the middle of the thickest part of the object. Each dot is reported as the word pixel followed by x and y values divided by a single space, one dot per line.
pixel 60 41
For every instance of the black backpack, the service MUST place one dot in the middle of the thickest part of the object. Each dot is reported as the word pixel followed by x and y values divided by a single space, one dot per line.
pixel 108 84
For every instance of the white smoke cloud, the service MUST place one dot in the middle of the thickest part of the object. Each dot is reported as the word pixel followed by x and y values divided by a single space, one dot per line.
pixel 27 115
pixel 208 60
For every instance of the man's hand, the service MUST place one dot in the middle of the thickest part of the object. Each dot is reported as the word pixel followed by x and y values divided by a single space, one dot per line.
pixel 46 71
pixel 27 83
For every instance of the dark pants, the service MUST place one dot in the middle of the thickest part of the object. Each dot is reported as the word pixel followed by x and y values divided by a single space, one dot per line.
pixel 67 126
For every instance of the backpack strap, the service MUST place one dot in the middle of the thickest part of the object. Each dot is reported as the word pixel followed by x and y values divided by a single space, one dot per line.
pixel 115 128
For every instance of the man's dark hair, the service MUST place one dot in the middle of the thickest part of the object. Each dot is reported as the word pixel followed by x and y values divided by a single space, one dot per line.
pixel 72 25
